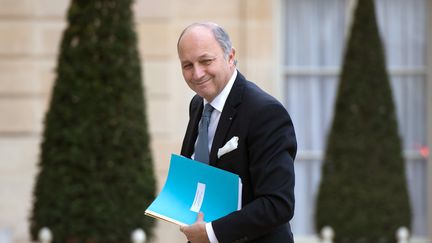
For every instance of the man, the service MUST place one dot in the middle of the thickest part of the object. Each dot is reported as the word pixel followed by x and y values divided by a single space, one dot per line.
pixel 265 150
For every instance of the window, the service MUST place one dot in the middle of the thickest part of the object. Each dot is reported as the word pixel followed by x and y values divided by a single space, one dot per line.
pixel 314 34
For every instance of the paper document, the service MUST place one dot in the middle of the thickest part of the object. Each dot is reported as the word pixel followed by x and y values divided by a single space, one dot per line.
pixel 192 187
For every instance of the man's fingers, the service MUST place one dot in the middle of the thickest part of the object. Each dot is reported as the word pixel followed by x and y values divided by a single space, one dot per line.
pixel 200 217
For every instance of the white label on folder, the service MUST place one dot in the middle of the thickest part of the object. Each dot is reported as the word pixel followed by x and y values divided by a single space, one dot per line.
pixel 199 197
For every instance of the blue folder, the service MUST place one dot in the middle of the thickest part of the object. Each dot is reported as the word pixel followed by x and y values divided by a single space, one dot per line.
pixel 193 187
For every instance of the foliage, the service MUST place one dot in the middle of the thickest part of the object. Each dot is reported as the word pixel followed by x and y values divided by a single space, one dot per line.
pixel 363 193
pixel 95 170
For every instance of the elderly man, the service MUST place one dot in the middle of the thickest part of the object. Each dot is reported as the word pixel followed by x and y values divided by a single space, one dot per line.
pixel 226 105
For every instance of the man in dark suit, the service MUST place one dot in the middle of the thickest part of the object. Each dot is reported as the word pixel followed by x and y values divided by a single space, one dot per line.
pixel 260 134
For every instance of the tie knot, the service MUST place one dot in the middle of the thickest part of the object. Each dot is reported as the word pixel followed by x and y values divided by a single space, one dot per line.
pixel 208 109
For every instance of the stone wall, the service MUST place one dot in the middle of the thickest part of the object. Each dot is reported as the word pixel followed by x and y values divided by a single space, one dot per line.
pixel 30 31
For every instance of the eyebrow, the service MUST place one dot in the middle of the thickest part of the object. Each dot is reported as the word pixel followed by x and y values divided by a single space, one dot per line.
pixel 206 56
pixel 200 57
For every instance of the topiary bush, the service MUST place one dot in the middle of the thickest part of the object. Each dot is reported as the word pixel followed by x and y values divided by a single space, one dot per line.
pixel 363 193
pixel 95 169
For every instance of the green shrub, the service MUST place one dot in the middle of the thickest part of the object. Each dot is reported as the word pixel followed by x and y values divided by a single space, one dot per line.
pixel 363 193
pixel 95 170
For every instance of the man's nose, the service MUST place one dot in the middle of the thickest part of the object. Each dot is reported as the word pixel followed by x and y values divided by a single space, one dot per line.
pixel 198 72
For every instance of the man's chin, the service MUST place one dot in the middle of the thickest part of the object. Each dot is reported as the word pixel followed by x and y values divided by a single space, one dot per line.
pixel 205 94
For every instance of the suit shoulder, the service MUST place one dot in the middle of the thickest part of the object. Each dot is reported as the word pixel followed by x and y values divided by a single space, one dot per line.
pixel 259 98
pixel 195 102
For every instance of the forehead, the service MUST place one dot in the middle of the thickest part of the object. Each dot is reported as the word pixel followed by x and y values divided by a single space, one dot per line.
pixel 198 40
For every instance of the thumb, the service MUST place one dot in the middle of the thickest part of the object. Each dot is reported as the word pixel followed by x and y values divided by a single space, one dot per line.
pixel 200 217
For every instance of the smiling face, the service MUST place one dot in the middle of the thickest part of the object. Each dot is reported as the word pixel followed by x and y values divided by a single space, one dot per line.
pixel 205 68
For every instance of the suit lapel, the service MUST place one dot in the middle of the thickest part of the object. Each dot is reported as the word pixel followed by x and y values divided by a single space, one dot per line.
pixel 227 117
pixel 192 128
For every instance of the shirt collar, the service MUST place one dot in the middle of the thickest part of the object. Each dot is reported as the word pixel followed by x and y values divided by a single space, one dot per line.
pixel 219 101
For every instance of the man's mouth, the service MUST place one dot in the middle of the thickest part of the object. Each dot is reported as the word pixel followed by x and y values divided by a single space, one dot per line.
pixel 202 82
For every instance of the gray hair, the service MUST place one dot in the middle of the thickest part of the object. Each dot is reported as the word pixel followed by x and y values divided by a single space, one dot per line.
pixel 219 33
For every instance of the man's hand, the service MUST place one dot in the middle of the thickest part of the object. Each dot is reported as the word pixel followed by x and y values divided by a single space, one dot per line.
pixel 196 233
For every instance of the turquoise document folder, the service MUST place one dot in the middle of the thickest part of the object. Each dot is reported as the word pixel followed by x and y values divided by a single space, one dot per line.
pixel 192 187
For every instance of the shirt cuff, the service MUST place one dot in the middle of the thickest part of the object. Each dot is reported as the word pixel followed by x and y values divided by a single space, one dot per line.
pixel 210 233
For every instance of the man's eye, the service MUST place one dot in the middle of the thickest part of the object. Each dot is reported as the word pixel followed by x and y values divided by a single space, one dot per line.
pixel 207 61
pixel 187 66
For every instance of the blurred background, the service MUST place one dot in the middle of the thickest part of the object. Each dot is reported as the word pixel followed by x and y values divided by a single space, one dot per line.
pixel 291 48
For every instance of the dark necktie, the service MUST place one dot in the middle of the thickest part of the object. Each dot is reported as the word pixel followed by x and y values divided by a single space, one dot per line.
pixel 202 146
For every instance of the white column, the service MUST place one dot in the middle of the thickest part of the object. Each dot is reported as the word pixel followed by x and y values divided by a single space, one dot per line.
pixel 402 235
pixel 45 235
pixel 327 234
pixel 138 236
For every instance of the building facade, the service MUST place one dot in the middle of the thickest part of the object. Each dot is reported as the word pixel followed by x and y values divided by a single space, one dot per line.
pixel 292 49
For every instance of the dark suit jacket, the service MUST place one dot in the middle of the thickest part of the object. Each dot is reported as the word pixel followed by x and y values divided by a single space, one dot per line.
pixel 264 159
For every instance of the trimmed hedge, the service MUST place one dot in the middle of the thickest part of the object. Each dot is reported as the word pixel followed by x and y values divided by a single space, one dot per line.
pixel 363 193
pixel 95 169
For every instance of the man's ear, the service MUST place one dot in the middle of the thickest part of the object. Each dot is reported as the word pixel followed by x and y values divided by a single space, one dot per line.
pixel 231 56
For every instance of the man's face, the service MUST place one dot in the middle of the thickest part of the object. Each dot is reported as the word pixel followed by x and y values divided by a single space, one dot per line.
pixel 204 67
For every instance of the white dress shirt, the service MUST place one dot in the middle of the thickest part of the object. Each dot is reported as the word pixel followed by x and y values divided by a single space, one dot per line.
pixel 218 104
